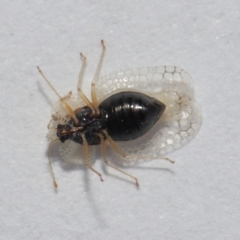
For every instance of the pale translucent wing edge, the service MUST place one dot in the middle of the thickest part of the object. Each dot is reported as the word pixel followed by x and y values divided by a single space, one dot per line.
pixel 147 79
pixel 169 84
pixel 72 153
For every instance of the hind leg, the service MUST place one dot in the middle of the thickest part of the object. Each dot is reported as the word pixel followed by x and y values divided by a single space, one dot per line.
pixel 103 150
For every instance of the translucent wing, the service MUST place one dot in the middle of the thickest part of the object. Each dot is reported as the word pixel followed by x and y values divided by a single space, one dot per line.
pixel 72 152
pixel 172 86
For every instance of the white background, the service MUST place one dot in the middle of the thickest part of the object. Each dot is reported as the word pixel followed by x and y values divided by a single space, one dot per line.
pixel 197 197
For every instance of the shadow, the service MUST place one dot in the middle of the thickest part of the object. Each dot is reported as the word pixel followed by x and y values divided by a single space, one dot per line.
pixel 45 96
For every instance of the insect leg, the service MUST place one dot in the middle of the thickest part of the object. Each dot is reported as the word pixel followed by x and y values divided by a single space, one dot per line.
pixel 49 124
pixel 135 157
pixel 121 153
pixel 103 150
pixel 50 163
pixel 113 144
pixel 96 76
pixel 86 156
pixel 80 92
pixel 66 107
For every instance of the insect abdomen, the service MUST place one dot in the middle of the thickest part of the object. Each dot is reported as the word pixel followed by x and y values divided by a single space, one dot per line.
pixel 129 115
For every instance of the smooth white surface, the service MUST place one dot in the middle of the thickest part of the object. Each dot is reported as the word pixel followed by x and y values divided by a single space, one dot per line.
pixel 197 198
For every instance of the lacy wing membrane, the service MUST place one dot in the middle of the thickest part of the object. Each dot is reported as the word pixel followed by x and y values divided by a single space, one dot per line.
pixel 171 85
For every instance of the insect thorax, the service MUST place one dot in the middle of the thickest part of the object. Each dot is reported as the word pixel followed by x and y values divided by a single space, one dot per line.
pixel 89 125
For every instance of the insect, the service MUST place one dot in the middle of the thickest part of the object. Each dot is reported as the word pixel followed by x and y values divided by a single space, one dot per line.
pixel 142 112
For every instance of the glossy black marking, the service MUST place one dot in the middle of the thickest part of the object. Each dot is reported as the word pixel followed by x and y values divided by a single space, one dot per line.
pixel 125 116
pixel 129 115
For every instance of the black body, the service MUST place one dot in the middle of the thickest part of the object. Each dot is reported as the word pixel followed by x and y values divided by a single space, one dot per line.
pixel 125 116
pixel 129 115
